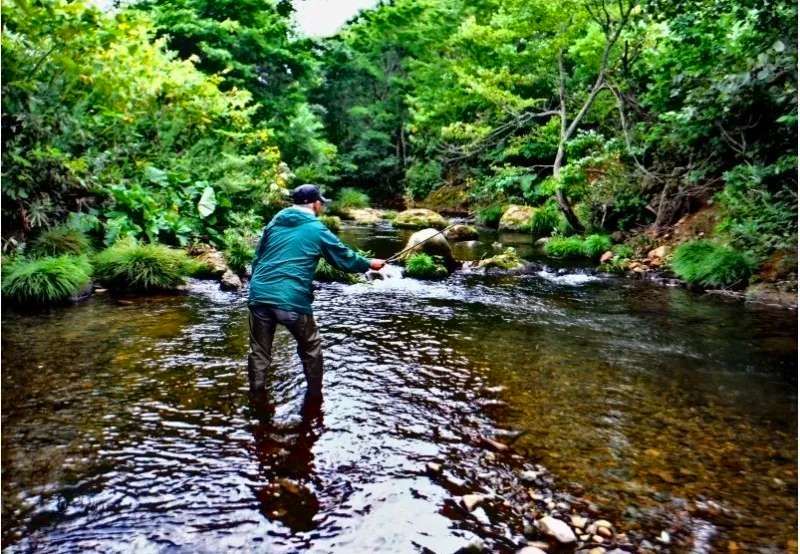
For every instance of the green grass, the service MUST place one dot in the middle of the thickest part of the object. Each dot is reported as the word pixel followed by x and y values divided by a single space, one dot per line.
pixel 704 263
pixel 239 249
pixel 595 245
pixel 47 280
pixel 564 247
pixel 326 273
pixel 424 266
pixel 545 220
pixel 332 222
pixel 349 198
pixel 129 266
pixel 490 215
pixel 58 241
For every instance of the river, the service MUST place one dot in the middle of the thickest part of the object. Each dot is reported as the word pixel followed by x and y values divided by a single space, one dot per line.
pixel 126 425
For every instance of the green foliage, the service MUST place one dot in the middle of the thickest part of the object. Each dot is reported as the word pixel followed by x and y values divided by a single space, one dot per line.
pixel 422 178
pixel 240 248
pixel 326 273
pixel 707 264
pixel 104 120
pixel 564 247
pixel 48 280
pixel 424 266
pixel 489 216
pixel 595 245
pixel 545 220
pixel 760 207
pixel 60 240
pixel 130 266
pixel 332 222
pixel 350 198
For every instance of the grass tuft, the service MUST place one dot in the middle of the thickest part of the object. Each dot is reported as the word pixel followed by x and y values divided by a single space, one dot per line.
pixel 58 241
pixel 490 215
pixel 349 198
pixel 48 280
pixel 704 263
pixel 545 220
pixel 130 266
pixel 424 266
pixel 595 245
pixel 564 247
pixel 239 249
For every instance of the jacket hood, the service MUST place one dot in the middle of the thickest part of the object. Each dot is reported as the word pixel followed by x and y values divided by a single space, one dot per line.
pixel 292 217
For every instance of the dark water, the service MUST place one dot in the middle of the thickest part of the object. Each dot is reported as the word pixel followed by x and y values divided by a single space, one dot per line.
pixel 126 427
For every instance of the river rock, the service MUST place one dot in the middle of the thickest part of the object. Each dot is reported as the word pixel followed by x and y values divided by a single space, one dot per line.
pixel 606 257
pixel 516 218
pixel 459 233
pixel 508 259
pixel 420 218
pixel 230 281
pixel 363 216
pixel 211 258
pixel 557 529
pixel 658 254
pixel 778 294
pixel 531 550
pixel 472 501
pixel 579 522
pixel 436 246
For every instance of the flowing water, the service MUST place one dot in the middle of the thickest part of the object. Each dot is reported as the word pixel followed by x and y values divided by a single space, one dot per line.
pixel 126 424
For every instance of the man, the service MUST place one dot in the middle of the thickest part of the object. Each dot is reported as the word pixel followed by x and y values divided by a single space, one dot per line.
pixel 281 285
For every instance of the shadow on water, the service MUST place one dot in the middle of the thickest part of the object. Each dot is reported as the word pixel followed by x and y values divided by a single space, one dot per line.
pixel 128 427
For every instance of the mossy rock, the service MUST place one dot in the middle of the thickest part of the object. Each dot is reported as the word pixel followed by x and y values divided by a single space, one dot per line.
pixel 363 216
pixel 508 260
pixel 332 222
pixel 459 233
pixel 420 218
pixel 517 218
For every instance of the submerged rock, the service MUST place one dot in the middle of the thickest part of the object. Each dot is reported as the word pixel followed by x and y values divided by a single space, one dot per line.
pixel 419 218
pixel 516 218
pixel 459 233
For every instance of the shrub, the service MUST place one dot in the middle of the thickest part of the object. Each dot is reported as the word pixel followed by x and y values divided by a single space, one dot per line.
pixel 128 265
pixel 564 247
pixel 47 280
pixel 60 240
pixel 490 215
pixel 545 220
pixel 349 198
pixel 622 251
pixel 239 248
pixel 332 222
pixel 424 266
pixel 707 264
pixel 595 245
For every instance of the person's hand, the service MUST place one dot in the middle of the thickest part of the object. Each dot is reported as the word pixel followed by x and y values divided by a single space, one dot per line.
pixel 376 264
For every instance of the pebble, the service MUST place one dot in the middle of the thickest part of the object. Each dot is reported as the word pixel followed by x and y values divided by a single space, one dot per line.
pixel 472 501
pixel 604 532
pixel 663 537
pixel 541 545
pixel 481 516
pixel 529 476
pixel 496 445
pixel 578 522
pixel 531 550
pixel 603 523
pixel 557 529
pixel 433 467
pixel 597 538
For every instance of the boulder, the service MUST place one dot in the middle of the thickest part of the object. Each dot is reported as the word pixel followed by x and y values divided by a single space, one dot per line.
pixel 516 218
pixel 658 253
pixel 213 259
pixel 363 216
pixel 436 246
pixel 419 218
pixel 557 529
pixel 459 233
pixel 606 257
pixel 230 281
pixel 508 259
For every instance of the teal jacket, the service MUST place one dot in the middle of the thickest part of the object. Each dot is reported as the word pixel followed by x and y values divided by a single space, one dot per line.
pixel 287 256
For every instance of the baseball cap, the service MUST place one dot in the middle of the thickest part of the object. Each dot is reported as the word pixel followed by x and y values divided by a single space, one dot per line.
pixel 306 194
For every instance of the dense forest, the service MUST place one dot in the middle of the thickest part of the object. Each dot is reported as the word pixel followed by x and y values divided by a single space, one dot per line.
pixel 177 122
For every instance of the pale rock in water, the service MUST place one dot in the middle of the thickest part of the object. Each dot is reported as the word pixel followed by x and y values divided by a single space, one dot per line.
pixel 516 218
pixel 607 256
pixel 213 259
pixel 364 216
pixel 230 281
pixel 557 529
pixel 436 246
pixel 472 501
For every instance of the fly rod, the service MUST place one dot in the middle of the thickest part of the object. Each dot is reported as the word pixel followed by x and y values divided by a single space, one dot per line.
pixel 394 257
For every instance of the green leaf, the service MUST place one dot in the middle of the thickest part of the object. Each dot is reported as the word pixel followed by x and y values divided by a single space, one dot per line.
pixel 207 203
pixel 155 175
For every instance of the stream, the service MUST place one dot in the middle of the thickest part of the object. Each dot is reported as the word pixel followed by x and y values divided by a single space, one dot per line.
pixel 126 424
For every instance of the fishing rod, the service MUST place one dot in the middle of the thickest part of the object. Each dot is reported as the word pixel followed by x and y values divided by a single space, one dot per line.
pixel 394 257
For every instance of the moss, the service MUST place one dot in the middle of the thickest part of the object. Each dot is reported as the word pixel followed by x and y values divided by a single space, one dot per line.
pixel 545 220
pixel 48 280
pixel 130 266
pixel 420 218
pixel 490 215
pixel 424 266
pixel 564 247
pixel 595 245
pixel 508 259
pixel 704 263
pixel 60 240
pixel 332 222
